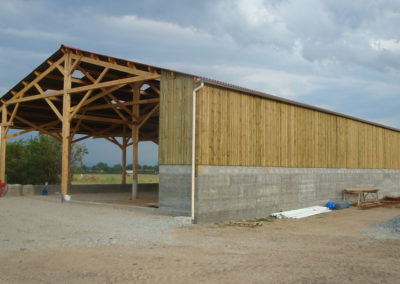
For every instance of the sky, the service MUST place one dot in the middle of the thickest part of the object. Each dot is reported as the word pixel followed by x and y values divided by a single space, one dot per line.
pixel 336 54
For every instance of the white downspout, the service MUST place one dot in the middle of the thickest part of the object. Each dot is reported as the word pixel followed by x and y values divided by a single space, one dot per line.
pixel 194 145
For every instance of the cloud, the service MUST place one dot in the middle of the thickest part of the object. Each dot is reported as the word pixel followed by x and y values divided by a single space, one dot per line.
pixel 341 55
pixel 12 54
pixel 132 22
pixel 349 33
pixel 385 44
pixel 36 34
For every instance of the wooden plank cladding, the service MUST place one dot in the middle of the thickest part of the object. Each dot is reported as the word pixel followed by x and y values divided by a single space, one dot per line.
pixel 175 136
pixel 237 129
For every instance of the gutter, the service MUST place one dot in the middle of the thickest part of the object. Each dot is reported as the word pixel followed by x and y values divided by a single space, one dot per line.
pixel 194 145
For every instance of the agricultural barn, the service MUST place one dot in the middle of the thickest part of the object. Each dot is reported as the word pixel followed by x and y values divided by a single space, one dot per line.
pixel 225 152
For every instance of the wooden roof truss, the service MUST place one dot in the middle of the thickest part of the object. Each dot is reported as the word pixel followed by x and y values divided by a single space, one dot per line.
pixel 79 92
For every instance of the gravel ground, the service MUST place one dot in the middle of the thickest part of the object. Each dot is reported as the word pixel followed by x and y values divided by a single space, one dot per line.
pixel 43 241
pixel 393 225
pixel 38 222
pixel 389 230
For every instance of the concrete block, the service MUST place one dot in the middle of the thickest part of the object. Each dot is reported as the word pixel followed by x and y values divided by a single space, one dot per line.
pixel 182 221
pixel 14 190
pixel 28 189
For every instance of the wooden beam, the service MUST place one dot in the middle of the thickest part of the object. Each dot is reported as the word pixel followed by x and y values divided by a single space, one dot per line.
pixel 88 93
pixel 80 139
pixel 135 139
pixel 3 145
pixel 108 129
pixel 60 69
pixel 123 148
pixel 100 119
pixel 73 67
pixel 100 95
pixel 153 87
pixel 11 120
pixel 66 127
pixel 148 115
pixel 19 133
pixel 61 78
pixel 116 142
pixel 112 140
pixel 76 128
pixel 36 127
pixel 51 123
pixel 114 66
pixel 37 79
pixel 85 88
pixel 93 131
pixel 54 108
pixel 50 103
pixel 117 103
pixel 105 106
pixel 117 111
pixel 110 95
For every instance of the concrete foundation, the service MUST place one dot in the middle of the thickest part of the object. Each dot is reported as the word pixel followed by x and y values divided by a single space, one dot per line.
pixel 174 196
pixel 21 190
pixel 233 193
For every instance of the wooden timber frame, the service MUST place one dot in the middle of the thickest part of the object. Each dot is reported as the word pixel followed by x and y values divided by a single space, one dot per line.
pixel 75 95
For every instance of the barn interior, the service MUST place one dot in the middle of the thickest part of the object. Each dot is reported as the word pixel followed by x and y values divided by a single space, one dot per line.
pixel 75 95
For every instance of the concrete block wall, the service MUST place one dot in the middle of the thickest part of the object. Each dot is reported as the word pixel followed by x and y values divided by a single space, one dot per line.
pixel 233 193
pixel 174 197
pixel 29 189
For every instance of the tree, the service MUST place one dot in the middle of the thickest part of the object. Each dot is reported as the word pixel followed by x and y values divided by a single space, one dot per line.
pixel 78 151
pixel 117 168
pixel 16 153
pixel 101 167
pixel 38 160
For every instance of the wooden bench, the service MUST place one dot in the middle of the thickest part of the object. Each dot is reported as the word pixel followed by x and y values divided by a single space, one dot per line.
pixel 362 194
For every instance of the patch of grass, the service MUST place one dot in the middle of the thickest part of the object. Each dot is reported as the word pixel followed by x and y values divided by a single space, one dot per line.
pixel 111 178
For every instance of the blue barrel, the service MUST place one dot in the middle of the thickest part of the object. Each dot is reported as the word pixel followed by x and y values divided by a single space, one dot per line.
pixel 337 205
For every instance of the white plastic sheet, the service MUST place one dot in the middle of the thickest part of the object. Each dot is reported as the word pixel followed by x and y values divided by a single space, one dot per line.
pixel 301 213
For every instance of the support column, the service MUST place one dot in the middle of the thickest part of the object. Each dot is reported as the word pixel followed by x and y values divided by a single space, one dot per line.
pixel 3 144
pixel 124 159
pixel 66 128
pixel 135 139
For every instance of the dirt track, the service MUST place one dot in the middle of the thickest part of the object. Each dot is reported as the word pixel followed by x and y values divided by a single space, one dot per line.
pixel 71 244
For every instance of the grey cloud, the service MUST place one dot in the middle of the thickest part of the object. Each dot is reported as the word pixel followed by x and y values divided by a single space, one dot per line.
pixel 336 54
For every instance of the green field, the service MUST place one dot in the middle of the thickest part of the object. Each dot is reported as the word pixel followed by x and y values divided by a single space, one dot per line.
pixel 111 178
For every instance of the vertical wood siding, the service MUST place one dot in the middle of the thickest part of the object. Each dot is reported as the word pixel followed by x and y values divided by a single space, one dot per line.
pixel 175 126
pixel 243 130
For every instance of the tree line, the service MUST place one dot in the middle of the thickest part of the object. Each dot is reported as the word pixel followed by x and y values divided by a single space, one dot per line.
pixel 102 167
pixel 38 160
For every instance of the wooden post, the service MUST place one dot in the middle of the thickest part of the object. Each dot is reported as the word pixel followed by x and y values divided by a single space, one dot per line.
pixel 3 144
pixel 66 127
pixel 135 139
pixel 124 140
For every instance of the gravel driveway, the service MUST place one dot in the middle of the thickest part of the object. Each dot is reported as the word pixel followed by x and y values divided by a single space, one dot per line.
pixel 44 241
pixel 38 222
